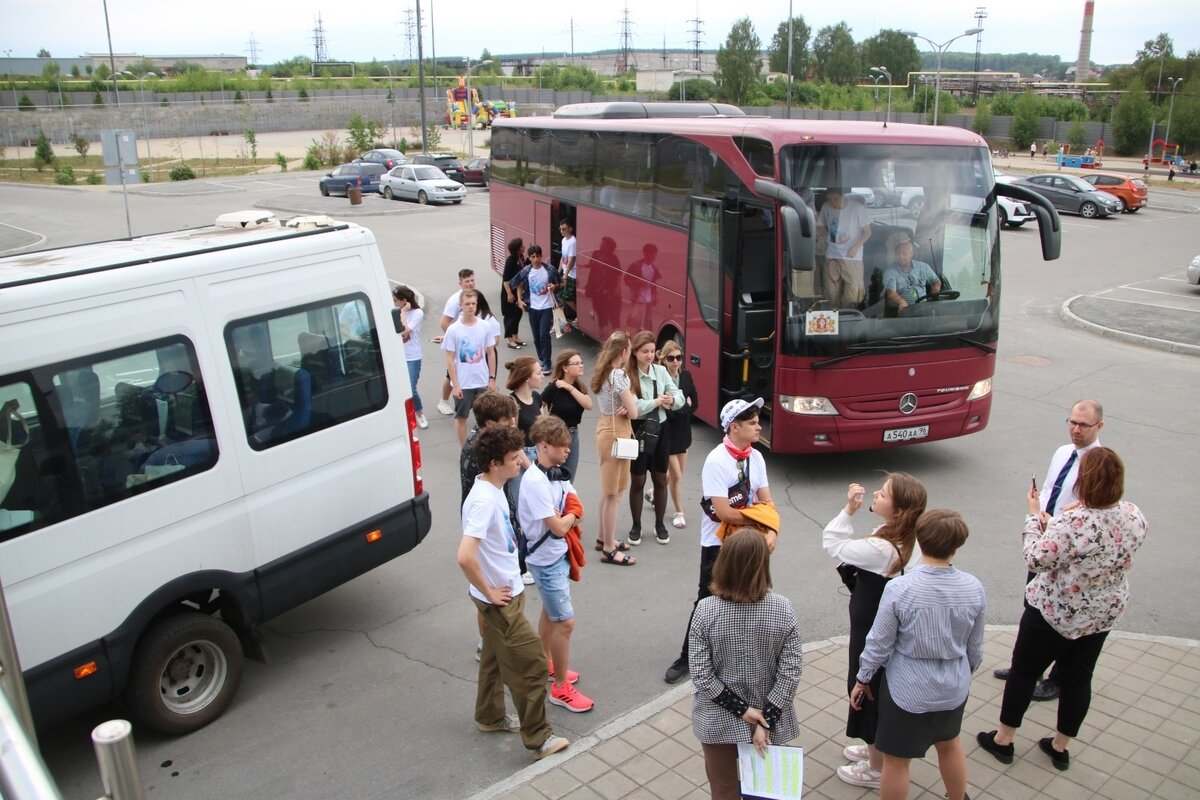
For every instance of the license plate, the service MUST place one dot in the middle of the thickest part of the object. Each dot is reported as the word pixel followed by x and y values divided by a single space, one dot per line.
pixel 906 434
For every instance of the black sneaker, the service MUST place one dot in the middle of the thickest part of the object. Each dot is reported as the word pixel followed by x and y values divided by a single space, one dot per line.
pixel 677 670
pixel 660 533
pixel 635 536
pixel 1046 690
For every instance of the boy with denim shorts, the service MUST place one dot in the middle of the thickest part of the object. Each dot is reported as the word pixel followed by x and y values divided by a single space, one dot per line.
pixel 547 509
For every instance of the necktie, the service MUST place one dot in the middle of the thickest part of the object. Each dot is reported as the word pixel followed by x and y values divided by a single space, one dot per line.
pixel 1058 483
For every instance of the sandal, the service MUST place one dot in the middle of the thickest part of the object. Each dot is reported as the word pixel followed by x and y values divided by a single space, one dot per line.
pixel 680 520
pixel 521 343
pixel 611 558
pixel 621 545
pixel 515 346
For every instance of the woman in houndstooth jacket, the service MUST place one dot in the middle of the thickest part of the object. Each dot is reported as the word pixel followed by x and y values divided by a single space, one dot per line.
pixel 746 660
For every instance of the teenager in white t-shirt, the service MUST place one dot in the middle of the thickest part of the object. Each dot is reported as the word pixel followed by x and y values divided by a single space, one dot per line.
pixel 537 296
pixel 511 655
pixel 847 226
pixel 566 266
pixel 470 347
pixel 548 508
pixel 466 280
pixel 405 299
pixel 734 477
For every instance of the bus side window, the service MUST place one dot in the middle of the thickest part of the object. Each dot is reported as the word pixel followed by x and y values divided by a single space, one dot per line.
pixel 22 453
pixel 303 369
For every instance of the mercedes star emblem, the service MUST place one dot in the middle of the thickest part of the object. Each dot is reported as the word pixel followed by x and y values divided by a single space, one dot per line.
pixel 908 403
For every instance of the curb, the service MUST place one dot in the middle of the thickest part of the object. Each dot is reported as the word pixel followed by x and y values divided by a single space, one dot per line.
pixel 1067 315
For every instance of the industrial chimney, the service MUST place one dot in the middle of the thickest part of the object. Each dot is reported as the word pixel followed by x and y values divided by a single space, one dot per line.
pixel 1083 64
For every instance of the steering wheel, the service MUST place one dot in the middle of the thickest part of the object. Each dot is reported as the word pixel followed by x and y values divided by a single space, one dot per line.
pixel 949 294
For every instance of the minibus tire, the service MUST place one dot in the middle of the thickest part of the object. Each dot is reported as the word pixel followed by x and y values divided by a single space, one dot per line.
pixel 185 673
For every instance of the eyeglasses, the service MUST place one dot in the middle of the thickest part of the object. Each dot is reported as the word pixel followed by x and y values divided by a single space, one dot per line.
pixel 676 357
pixel 574 363
pixel 1073 423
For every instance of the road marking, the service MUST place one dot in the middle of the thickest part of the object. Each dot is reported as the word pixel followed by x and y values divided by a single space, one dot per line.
pixel 40 238
pixel 1153 305
pixel 1149 291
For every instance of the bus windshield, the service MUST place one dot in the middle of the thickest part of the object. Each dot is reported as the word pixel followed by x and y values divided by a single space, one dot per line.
pixel 930 267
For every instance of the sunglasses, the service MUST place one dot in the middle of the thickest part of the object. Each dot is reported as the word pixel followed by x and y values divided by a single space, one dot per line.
pixel 676 357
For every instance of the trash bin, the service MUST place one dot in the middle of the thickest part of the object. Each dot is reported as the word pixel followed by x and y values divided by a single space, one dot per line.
pixel 355 195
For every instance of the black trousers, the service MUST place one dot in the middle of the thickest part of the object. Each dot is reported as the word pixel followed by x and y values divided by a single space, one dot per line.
pixel 708 557
pixel 1037 645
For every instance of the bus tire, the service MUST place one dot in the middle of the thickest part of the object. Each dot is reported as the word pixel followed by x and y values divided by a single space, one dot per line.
pixel 185 672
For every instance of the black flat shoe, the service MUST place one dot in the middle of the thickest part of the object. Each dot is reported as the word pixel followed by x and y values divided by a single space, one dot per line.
pixel 1002 752
pixel 1046 690
pixel 1062 761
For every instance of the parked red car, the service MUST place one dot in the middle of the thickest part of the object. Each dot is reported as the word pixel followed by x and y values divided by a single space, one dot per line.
pixel 476 170
pixel 1132 192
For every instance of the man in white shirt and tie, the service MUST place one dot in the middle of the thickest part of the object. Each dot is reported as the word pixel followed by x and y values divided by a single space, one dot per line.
pixel 1058 491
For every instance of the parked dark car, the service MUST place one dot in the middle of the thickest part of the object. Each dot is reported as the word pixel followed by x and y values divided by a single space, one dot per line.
pixel 1069 193
pixel 477 170
pixel 365 176
pixel 386 156
pixel 443 161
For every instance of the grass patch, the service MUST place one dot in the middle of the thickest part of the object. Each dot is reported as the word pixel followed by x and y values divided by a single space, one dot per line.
pixel 22 170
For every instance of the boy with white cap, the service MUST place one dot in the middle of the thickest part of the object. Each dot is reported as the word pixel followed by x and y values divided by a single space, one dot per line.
pixel 734 477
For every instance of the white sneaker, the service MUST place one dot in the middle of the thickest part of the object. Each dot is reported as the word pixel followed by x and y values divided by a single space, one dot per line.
pixel 479 649
pixel 856 752
pixel 527 578
pixel 860 774
pixel 444 407
pixel 552 745
pixel 421 421
pixel 649 495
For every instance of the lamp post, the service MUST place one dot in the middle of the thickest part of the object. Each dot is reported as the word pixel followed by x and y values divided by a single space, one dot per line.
pixel 391 103
pixel 875 104
pixel 1161 53
pixel 470 111
pixel 883 73
pixel 145 122
pixel 683 73
pixel 940 50
pixel 1171 109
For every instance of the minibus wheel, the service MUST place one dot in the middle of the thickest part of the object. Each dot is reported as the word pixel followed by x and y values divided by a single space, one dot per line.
pixel 185 672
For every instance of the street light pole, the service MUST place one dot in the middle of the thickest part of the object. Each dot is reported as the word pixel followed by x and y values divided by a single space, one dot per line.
pixel 875 103
pixel 391 103
pixel 470 111
pixel 940 50
pixel 883 72
pixel 146 123
pixel 1171 109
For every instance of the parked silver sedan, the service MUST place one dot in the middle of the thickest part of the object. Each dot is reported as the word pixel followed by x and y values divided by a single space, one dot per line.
pixel 420 182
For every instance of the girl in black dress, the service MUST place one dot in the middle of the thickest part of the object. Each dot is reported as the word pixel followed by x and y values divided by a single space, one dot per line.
pixel 869 563
pixel 508 301
pixel 679 424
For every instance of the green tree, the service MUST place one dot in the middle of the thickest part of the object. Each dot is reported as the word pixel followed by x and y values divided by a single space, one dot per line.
pixel 1077 136
pixel 81 145
pixel 1131 122
pixel 50 76
pixel 1025 121
pixel 778 51
pixel 494 69
pixel 695 89
pixel 102 72
pixel 292 67
pixel 43 153
pixel 362 133
pixel 25 104
pixel 1003 104
pixel 893 50
pixel 982 123
pixel 74 70
pixel 43 53
pixel 838 59
pixel 738 64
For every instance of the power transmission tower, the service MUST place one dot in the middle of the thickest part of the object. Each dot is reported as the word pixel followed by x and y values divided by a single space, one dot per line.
pixel 980 16
pixel 253 50
pixel 626 46
pixel 320 46
pixel 696 30
pixel 409 33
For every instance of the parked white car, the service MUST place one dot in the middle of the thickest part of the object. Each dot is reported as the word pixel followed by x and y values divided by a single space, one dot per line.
pixel 421 182
pixel 1193 271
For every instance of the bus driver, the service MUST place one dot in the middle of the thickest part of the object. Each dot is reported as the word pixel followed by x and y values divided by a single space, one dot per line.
pixel 905 280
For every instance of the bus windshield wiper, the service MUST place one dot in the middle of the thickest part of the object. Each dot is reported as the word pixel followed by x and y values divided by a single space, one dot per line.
pixel 920 338
pixel 858 350
pixel 898 343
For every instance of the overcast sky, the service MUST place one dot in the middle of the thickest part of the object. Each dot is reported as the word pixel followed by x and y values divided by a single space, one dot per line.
pixel 362 31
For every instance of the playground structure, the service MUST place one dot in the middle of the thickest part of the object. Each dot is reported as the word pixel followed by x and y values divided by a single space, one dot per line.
pixel 1091 159
pixel 463 108
pixel 1168 154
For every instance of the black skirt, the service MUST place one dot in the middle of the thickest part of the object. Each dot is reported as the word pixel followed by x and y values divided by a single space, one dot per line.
pixel 904 734
pixel 864 602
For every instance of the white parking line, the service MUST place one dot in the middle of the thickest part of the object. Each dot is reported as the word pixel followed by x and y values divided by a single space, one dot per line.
pixel 1152 305
pixel 1148 291
pixel 40 238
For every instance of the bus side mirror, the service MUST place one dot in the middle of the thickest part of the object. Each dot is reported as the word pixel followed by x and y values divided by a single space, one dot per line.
pixel 799 244
pixel 1049 224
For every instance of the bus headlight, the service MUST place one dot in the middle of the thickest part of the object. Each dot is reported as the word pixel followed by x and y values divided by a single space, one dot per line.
pixel 820 406
pixel 981 389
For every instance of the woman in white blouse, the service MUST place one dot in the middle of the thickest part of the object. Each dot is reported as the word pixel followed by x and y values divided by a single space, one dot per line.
pixel 869 562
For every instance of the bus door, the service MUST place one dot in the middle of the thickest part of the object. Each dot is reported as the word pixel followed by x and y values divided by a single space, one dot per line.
pixel 543 227
pixel 703 318
pixel 749 353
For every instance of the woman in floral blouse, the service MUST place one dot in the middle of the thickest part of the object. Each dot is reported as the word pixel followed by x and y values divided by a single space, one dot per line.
pixel 1081 558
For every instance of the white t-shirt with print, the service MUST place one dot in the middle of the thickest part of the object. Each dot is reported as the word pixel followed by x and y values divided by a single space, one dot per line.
pixel 453 305
pixel 541 499
pixel 568 251
pixel 720 474
pixel 469 343
pixel 843 226
pixel 539 295
pixel 414 319
pixel 485 517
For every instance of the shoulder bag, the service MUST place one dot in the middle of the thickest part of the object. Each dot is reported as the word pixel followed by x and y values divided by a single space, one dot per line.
pixel 624 449
pixel 649 429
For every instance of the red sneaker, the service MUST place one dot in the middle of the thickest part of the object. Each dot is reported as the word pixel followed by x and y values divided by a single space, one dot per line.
pixel 570 698
pixel 572 675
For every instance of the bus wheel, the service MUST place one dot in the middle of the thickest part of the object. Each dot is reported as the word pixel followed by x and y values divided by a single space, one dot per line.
pixel 185 673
